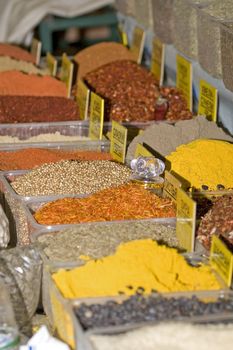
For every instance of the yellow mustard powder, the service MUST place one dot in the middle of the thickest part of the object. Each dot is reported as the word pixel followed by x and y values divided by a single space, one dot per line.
pixel 139 263
pixel 204 162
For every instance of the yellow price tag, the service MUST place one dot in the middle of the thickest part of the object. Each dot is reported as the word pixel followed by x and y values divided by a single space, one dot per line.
pixel 67 70
pixel 208 101
pixel 62 320
pixel 138 43
pixel 123 35
pixel 52 64
pixel 184 79
pixel 141 151
pixel 157 60
pixel 96 117
pixel 36 50
pixel 221 259
pixel 82 97
pixel 186 220
pixel 171 185
pixel 118 142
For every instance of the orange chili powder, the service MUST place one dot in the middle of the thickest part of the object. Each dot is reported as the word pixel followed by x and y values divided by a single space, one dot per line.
pixel 16 52
pixel 20 84
pixel 124 202
pixel 31 157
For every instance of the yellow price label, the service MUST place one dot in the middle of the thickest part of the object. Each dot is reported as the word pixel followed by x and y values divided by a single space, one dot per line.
pixel 96 117
pixel 118 142
pixel 123 35
pixel 171 185
pixel 67 70
pixel 221 259
pixel 186 220
pixel 138 43
pixel 184 79
pixel 36 50
pixel 82 97
pixel 51 63
pixel 157 60
pixel 141 151
pixel 208 101
pixel 62 320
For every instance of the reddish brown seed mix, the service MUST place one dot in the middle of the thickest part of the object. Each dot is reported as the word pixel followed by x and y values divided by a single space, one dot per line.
pixel 120 203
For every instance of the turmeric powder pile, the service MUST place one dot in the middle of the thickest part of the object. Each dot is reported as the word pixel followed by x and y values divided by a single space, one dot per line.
pixel 206 164
pixel 137 264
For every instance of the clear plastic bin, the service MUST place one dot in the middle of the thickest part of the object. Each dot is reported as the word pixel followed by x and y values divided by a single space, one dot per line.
pixel 227 54
pixel 163 20
pixel 185 25
pixel 143 13
pixel 209 21
pixel 61 314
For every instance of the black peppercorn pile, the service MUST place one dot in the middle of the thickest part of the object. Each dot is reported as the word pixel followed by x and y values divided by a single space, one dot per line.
pixel 138 309
pixel 219 221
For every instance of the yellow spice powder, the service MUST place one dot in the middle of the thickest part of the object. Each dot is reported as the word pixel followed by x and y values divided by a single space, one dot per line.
pixel 139 263
pixel 204 162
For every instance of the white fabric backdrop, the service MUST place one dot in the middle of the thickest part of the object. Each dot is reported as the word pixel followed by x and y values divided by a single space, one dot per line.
pixel 19 17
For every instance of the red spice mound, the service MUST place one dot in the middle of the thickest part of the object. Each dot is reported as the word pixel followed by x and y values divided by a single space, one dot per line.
pixel 31 157
pixel 16 52
pixel 18 83
pixel 27 109
pixel 119 203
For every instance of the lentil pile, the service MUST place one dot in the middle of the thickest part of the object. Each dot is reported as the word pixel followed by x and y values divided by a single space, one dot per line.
pixel 143 264
pixel 104 53
pixel 71 244
pixel 16 52
pixel 204 162
pixel 119 203
pixel 218 221
pixel 71 177
pixel 175 336
pixel 18 84
pixel 129 89
pixel 139 308
pixel 31 157
pixel 30 109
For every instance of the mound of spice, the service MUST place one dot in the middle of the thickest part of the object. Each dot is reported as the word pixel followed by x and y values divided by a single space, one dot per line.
pixel 155 307
pixel 42 136
pixel 165 138
pixel 16 52
pixel 140 264
pixel 120 203
pixel 74 243
pixel 17 83
pixel 71 177
pixel 8 63
pixel 32 109
pixel 31 157
pixel 129 89
pixel 104 53
pixel 218 221
pixel 206 164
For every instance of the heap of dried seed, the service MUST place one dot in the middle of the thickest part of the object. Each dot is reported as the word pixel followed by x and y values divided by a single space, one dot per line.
pixel 218 221
pixel 119 203
pixel 71 177
pixel 69 244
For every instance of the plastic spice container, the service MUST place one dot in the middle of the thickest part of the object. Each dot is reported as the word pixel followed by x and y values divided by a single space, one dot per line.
pixel 143 13
pixel 209 20
pixel 227 54
pixel 163 20
pixel 185 24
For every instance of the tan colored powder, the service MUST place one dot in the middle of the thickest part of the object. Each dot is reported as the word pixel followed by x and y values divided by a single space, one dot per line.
pixel 8 63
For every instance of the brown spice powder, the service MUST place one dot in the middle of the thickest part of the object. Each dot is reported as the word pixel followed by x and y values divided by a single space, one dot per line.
pixel 16 52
